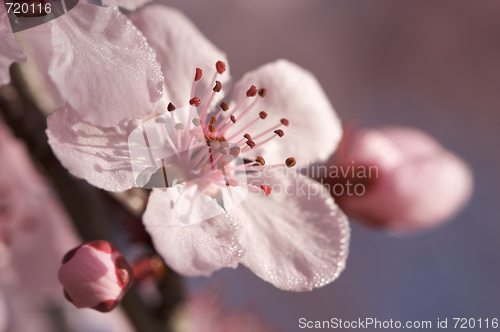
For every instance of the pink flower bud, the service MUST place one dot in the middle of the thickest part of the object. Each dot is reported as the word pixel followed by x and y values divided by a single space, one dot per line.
pixel 414 182
pixel 95 275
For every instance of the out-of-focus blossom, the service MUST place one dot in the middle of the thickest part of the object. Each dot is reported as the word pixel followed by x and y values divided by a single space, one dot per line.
pixel 35 233
pixel 203 312
pixel 294 240
pixel 412 183
pixel 99 61
pixel 95 275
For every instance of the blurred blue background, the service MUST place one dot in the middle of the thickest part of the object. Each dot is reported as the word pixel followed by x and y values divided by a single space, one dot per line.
pixel 434 65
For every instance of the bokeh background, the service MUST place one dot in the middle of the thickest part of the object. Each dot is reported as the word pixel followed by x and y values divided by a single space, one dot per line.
pixel 430 64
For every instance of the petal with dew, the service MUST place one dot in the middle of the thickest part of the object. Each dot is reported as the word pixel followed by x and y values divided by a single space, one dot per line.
pixel 194 250
pixel 293 93
pixel 296 238
pixel 181 48
pixel 98 155
pixel 103 66
pixel 10 51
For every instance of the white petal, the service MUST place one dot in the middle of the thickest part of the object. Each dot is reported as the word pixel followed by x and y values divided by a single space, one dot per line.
pixel 98 155
pixel 10 51
pixel 294 94
pixel 103 66
pixel 194 250
pixel 296 238
pixel 181 48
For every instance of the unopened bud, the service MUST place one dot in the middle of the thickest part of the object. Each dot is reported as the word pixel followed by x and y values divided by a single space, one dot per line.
pixel 95 275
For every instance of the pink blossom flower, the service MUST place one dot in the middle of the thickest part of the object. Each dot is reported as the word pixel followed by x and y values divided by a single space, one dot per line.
pixel 294 240
pixel 416 183
pixel 99 61
pixel 203 312
pixel 95 275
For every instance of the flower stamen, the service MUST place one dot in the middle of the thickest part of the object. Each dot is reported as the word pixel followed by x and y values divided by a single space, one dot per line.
pixel 210 155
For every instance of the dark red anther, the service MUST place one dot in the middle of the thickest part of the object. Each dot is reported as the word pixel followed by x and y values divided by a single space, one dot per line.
pixel 290 162
pixel 248 137
pixel 218 86
pixel 195 101
pixel 263 115
pixel 251 144
pixel 211 128
pixel 224 106
pixel 266 189
pixel 260 160
pixel 262 92
pixel 252 92
pixel 213 119
pixel 285 122
pixel 233 119
pixel 198 74
pixel 220 66
pixel 279 132
pixel 170 107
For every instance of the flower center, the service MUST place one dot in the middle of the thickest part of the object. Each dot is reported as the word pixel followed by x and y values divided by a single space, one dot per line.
pixel 203 153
